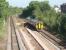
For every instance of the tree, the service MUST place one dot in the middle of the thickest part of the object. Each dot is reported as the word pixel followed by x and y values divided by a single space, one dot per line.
pixel 43 11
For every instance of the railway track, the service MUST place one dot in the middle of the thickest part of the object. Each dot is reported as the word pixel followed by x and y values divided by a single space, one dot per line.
pixel 18 40
pixel 45 43
pixel 46 34
pixel 49 36
pixel 52 38
pixel 29 40
pixel 22 38
pixel 56 47
pixel 14 41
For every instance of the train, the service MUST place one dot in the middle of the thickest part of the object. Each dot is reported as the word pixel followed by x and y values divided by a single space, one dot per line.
pixel 34 24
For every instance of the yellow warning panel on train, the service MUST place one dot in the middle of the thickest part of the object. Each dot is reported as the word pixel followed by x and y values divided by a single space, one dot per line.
pixel 39 25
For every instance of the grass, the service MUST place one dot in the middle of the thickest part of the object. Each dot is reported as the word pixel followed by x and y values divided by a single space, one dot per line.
pixel 2 28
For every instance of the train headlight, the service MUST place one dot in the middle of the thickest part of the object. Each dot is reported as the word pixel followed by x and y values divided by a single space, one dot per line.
pixel 40 25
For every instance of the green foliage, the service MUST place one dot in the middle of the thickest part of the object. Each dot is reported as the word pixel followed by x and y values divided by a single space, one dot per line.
pixel 3 14
pixel 63 23
pixel 14 10
pixel 43 11
pixel 5 11
pixel 27 12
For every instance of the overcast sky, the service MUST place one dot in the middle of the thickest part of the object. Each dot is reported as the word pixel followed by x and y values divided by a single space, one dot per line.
pixel 24 3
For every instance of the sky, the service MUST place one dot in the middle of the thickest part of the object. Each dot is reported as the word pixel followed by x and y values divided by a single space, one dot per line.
pixel 24 3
